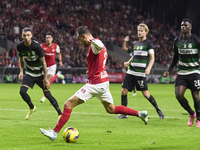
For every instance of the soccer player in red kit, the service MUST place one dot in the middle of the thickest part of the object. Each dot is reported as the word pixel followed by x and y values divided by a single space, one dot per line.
pixel 97 84
pixel 50 49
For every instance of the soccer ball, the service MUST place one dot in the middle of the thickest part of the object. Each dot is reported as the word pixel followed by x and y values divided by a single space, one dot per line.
pixel 70 135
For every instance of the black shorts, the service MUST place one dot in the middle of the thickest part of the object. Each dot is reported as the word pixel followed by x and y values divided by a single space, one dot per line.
pixel 30 81
pixel 131 81
pixel 191 81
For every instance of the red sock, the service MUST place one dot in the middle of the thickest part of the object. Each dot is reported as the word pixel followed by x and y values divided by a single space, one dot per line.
pixel 125 110
pixel 53 78
pixel 63 119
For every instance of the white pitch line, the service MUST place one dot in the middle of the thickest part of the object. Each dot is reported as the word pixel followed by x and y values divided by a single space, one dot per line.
pixel 82 113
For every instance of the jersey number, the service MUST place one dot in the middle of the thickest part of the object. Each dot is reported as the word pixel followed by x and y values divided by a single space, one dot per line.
pixel 105 58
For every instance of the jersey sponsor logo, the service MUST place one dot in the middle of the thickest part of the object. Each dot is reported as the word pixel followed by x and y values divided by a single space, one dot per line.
pixel 49 54
pixel 187 51
pixel 104 74
pixel 141 53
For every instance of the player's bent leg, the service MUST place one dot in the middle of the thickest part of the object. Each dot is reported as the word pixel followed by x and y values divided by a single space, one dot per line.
pixel 195 95
pixel 68 106
pixel 72 102
pixel 53 101
pixel 49 77
pixel 151 99
pixel 124 102
pixel 112 109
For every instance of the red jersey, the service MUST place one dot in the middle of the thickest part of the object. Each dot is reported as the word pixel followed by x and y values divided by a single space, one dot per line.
pixel 50 53
pixel 96 60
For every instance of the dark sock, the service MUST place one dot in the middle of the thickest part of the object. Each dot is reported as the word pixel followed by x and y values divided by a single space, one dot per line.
pixel 186 106
pixel 197 108
pixel 26 97
pixel 124 101
pixel 153 102
pixel 53 101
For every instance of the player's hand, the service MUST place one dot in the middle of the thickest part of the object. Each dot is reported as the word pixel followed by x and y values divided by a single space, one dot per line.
pixel 126 64
pixel 46 84
pixel 87 72
pixel 126 39
pixel 90 40
pixel 60 64
pixel 20 76
pixel 147 71
pixel 165 74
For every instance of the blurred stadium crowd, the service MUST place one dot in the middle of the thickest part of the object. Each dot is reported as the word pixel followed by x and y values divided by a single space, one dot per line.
pixel 109 20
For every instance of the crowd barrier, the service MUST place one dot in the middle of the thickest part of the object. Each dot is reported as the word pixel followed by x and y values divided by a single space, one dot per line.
pixel 114 77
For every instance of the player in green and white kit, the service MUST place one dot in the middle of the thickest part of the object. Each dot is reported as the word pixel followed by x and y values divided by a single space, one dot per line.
pixel 186 53
pixel 31 52
pixel 140 66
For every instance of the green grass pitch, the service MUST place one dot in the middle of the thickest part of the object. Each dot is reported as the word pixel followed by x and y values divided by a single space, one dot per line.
pixel 98 130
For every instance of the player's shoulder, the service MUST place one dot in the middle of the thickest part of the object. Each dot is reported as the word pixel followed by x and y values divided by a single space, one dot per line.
pixel 54 45
pixel 148 41
pixel 36 42
pixel 195 37
pixel 21 43
pixel 178 38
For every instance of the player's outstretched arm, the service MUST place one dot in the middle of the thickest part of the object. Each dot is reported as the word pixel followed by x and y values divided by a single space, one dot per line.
pixel 124 47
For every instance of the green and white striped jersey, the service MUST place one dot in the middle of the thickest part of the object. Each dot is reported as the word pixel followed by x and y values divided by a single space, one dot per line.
pixel 140 60
pixel 31 55
pixel 186 53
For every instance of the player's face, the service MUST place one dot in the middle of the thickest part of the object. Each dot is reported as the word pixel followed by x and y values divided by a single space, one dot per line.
pixel 49 39
pixel 185 27
pixel 83 40
pixel 26 36
pixel 141 32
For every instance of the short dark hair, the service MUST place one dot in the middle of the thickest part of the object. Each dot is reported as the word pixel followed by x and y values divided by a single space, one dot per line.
pixel 49 33
pixel 82 30
pixel 188 20
pixel 26 29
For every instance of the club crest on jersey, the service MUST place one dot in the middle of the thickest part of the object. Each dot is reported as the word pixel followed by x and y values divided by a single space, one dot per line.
pixel 184 46
pixel 137 48
pixel 53 50
pixel 141 47
pixel 28 53
pixel 190 45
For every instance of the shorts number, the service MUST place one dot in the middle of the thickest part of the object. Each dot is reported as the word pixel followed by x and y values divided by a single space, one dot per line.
pixel 197 83
pixel 141 83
